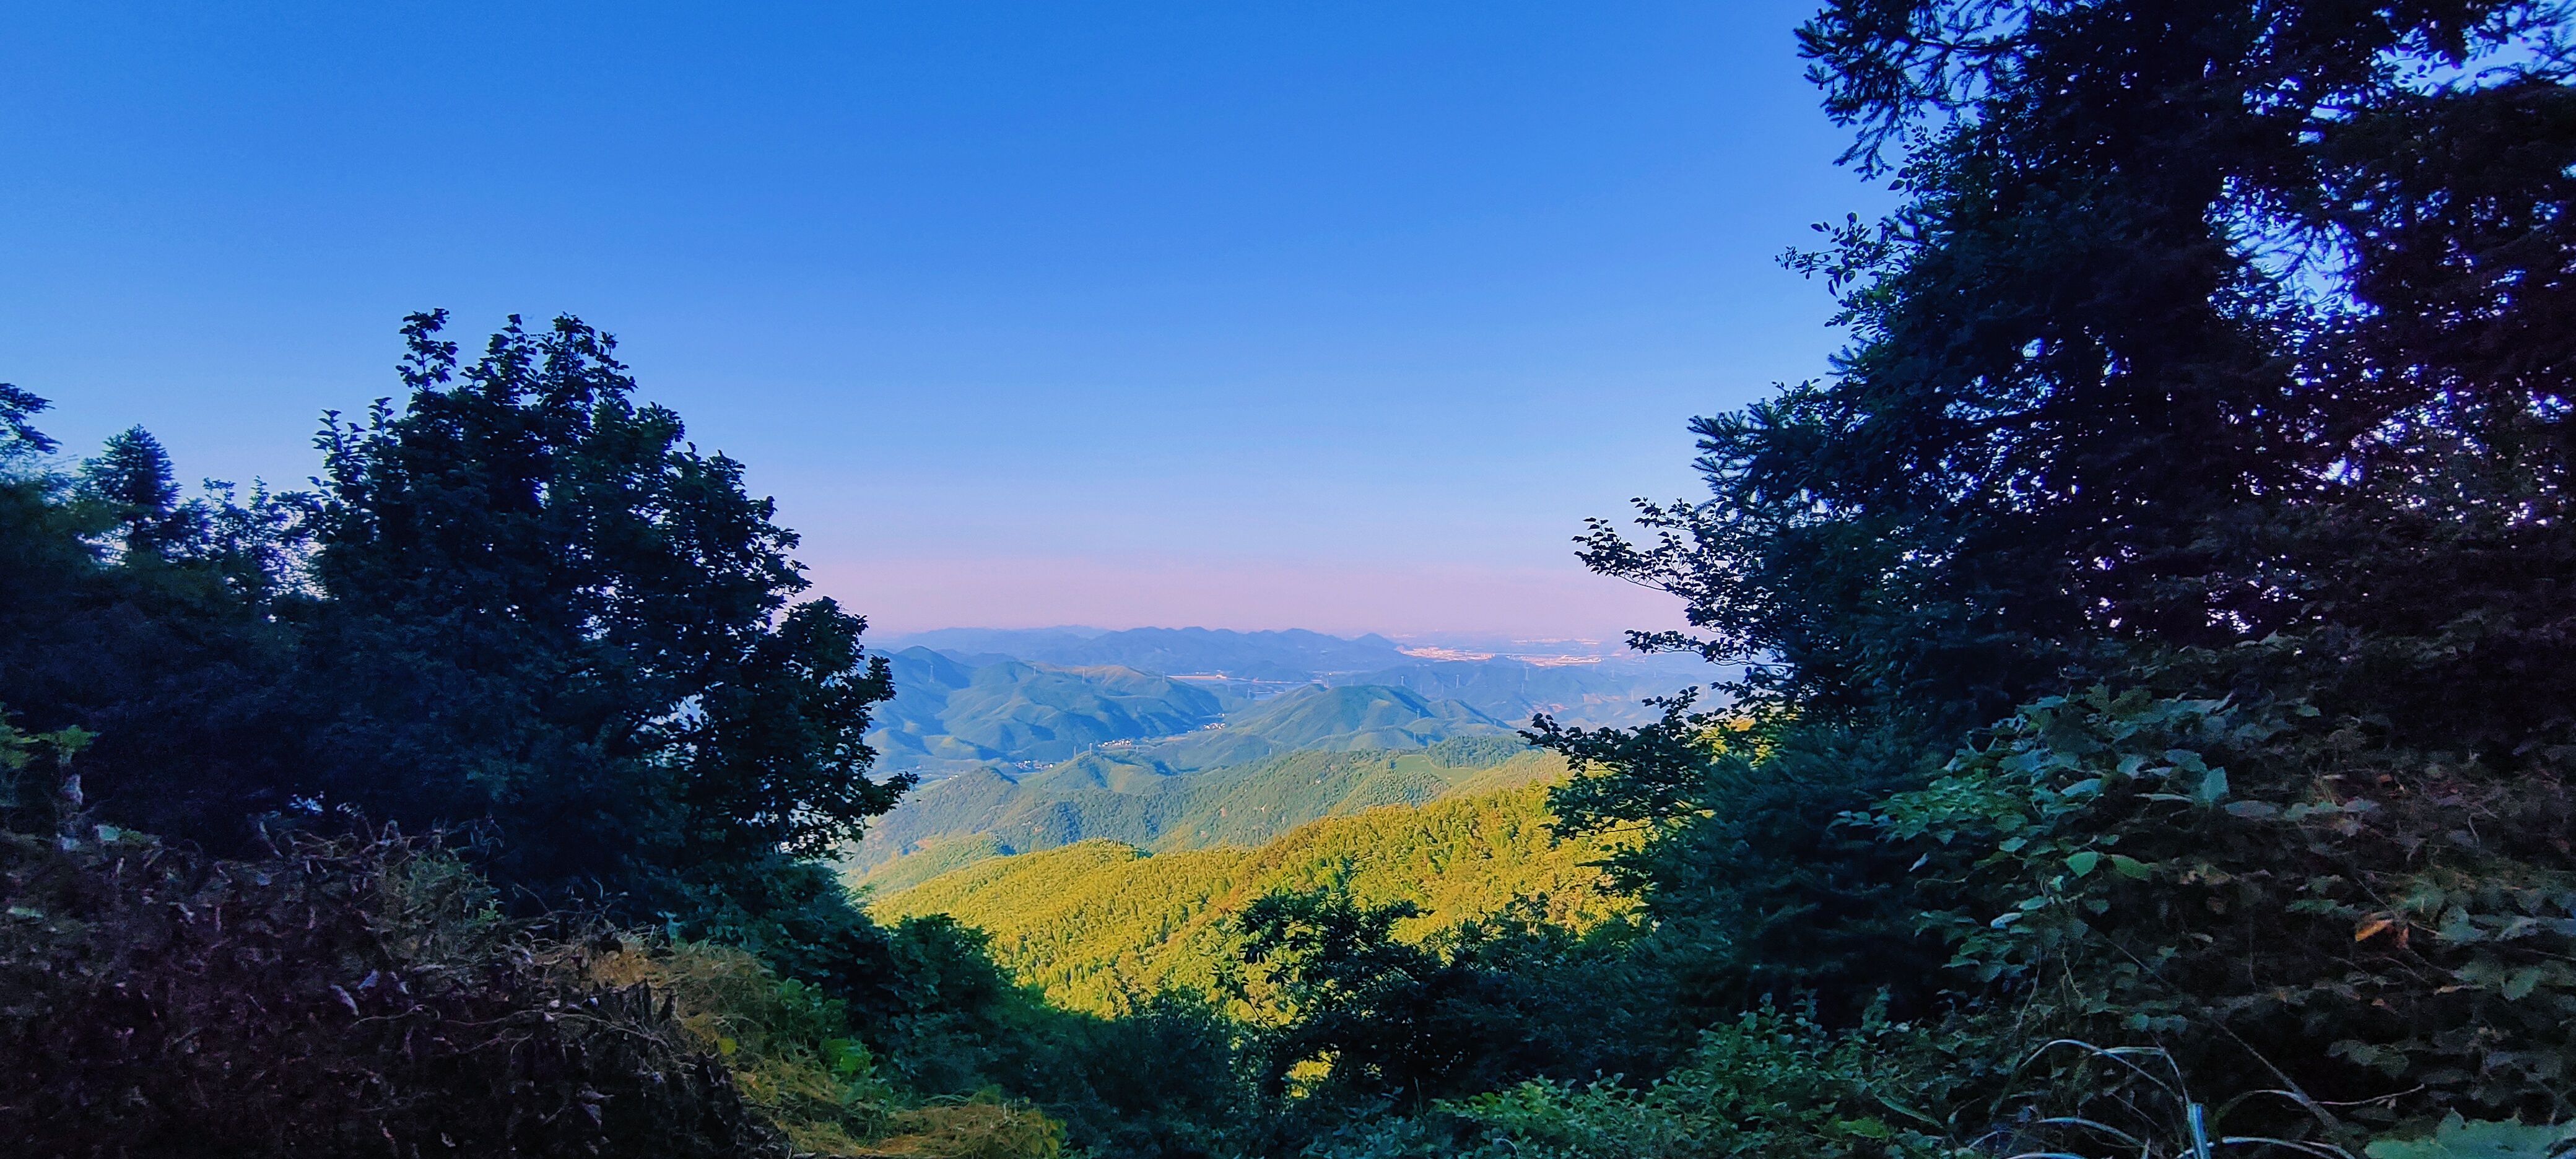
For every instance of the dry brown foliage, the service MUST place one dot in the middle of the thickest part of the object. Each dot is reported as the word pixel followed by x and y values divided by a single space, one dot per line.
pixel 347 996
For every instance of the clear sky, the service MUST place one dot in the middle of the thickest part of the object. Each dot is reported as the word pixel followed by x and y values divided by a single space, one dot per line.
pixel 1251 315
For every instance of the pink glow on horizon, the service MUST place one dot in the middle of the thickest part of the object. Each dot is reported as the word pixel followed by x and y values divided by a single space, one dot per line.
pixel 910 595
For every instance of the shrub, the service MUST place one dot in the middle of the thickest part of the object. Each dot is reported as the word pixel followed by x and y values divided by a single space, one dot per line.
pixel 796 1062
pixel 1773 1084
pixel 345 995
pixel 2278 897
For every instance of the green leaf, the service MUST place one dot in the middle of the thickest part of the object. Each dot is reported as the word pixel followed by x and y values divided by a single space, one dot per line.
pixel 2458 1138
pixel 2131 867
pixel 1865 1128
pixel 2519 984
pixel 2213 787
pixel 2083 863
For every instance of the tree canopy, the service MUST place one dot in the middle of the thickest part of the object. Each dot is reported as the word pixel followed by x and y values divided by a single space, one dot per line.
pixel 2200 322
pixel 520 604
pixel 2160 607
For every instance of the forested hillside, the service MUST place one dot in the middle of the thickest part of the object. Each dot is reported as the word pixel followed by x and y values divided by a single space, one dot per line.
pixel 1343 719
pixel 949 715
pixel 1137 800
pixel 1101 924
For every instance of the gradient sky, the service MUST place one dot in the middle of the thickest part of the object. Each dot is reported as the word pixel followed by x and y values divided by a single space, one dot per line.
pixel 1338 316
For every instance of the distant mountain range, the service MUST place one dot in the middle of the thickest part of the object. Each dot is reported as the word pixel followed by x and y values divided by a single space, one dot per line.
pixel 1192 738
pixel 946 713
pixel 1353 716
pixel 1291 655
pixel 1029 697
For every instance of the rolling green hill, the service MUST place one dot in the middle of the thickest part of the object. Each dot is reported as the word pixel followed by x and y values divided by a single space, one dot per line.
pixel 1137 800
pixel 1098 923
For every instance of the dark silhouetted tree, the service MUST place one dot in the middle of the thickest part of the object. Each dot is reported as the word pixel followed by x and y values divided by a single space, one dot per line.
pixel 543 611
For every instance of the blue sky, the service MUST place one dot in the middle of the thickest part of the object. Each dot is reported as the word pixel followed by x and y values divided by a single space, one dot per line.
pixel 1338 316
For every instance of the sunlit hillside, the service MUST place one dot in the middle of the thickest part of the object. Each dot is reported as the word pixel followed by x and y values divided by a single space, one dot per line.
pixel 1100 923
pixel 1137 799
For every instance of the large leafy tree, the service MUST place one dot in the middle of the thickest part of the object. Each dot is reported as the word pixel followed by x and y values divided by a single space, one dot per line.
pixel 543 610
pixel 521 607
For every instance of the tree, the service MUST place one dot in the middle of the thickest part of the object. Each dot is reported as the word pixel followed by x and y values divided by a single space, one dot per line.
pixel 522 606
pixel 2209 400
pixel 151 623
pixel 1755 887
pixel 2190 310
pixel 131 478
pixel 545 612
pixel 1395 1022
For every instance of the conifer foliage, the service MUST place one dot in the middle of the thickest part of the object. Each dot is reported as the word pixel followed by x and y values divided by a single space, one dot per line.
pixel 2201 322
pixel 2175 562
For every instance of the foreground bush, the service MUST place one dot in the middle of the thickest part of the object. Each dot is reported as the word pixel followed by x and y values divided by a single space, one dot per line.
pixel 1772 1084
pixel 796 1062
pixel 345 995
pixel 363 994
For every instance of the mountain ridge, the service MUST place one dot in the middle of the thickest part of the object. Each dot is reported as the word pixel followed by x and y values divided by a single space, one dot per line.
pixel 960 699
pixel 1142 802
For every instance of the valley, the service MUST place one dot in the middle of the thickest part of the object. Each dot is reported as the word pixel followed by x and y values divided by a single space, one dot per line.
pixel 1100 923
pixel 1104 823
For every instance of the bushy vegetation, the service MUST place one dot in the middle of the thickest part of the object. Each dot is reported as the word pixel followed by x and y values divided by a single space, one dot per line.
pixel 1769 1083
pixel 336 996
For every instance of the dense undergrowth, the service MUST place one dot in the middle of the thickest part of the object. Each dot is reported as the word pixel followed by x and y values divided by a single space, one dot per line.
pixel 359 993
pixel 340 996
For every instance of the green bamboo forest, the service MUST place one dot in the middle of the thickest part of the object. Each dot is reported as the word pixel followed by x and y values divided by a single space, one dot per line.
pixel 2133 715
